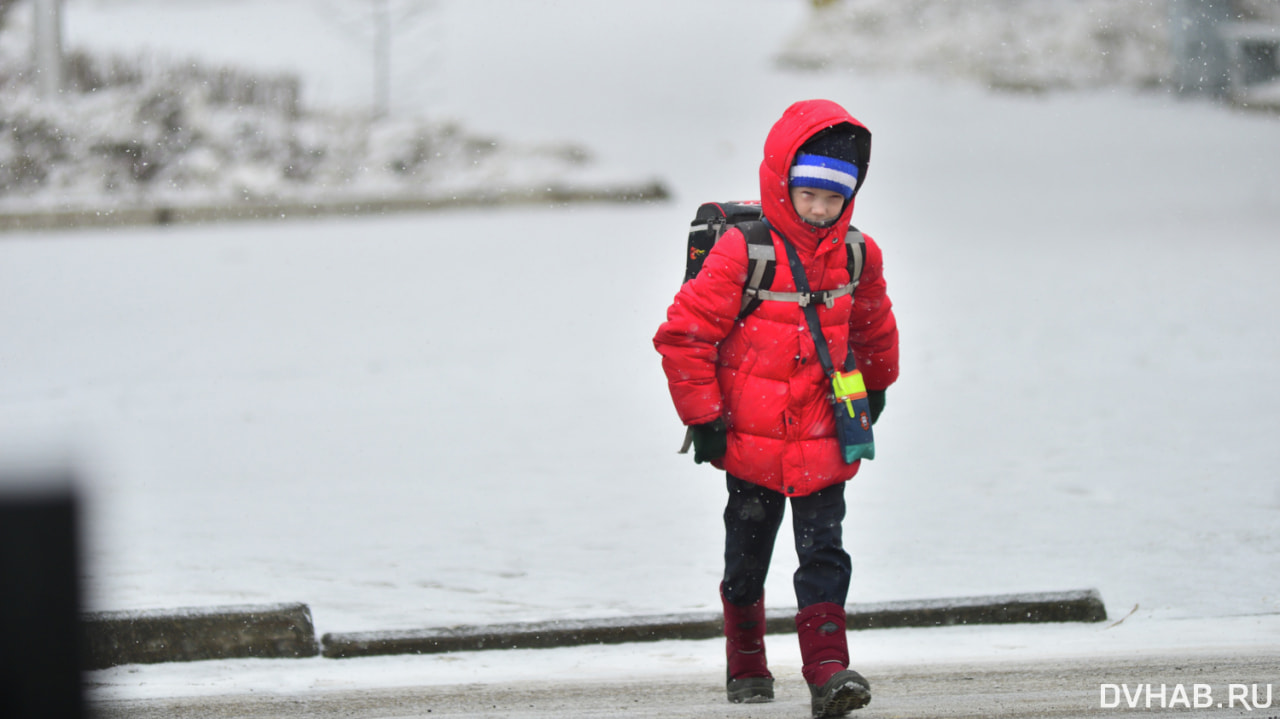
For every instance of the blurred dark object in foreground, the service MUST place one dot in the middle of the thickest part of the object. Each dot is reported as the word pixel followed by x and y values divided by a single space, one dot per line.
pixel 40 642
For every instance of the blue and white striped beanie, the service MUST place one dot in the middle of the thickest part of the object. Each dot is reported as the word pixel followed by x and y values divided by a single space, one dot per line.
pixel 824 173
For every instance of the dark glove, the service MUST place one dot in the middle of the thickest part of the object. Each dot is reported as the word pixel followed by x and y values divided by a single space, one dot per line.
pixel 710 441
pixel 875 400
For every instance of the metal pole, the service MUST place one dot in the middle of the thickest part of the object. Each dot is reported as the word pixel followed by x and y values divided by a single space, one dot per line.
pixel 48 47
pixel 382 59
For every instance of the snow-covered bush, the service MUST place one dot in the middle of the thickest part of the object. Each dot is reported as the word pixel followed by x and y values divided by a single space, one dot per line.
pixel 145 130
pixel 1008 44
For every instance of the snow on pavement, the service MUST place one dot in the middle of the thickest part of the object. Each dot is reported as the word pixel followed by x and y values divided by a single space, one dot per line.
pixel 432 419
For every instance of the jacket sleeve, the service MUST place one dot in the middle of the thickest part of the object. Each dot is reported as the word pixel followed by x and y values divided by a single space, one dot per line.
pixel 873 330
pixel 703 313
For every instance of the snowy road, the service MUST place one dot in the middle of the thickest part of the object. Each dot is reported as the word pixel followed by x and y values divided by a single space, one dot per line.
pixel 1242 684
pixel 309 411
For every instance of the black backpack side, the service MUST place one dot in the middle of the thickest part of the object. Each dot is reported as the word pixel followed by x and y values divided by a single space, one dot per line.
pixel 710 223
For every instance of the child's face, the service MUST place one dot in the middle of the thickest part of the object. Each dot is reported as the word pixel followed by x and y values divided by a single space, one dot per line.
pixel 816 206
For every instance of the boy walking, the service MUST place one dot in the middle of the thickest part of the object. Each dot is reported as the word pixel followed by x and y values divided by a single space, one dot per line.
pixel 757 398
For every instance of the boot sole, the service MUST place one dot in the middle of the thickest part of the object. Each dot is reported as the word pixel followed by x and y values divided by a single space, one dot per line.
pixel 752 690
pixel 842 699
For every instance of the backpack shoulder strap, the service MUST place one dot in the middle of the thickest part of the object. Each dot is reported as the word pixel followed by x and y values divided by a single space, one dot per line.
pixel 761 264
pixel 762 261
pixel 855 251
pixel 855 246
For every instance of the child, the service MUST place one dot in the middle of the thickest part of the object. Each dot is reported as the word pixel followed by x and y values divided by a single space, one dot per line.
pixel 757 399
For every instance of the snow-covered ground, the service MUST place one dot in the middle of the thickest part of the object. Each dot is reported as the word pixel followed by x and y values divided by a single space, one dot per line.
pixel 424 420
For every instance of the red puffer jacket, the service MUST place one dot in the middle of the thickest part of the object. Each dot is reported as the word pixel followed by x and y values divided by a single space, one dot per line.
pixel 762 373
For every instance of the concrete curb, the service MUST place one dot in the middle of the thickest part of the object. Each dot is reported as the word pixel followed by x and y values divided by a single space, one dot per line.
pixel 121 216
pixel 285 631
pixel 1072 606
pixel 182 635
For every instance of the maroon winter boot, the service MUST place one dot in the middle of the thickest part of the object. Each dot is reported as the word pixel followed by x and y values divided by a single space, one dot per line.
pixel 749 679
pixel 824 648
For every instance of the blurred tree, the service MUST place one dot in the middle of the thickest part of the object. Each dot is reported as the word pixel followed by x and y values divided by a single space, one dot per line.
pixel 378 21
pixel 4 9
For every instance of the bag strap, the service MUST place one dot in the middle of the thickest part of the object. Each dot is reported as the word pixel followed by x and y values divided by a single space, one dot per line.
pixel 810 312
pixel 855 245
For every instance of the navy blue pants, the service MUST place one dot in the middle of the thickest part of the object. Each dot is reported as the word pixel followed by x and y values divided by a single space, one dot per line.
pixel 751 521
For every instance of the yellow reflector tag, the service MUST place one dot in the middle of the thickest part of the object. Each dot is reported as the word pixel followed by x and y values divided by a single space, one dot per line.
pixel 848 385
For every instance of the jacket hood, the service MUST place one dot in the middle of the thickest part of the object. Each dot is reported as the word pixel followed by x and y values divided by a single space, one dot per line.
pixel 800 122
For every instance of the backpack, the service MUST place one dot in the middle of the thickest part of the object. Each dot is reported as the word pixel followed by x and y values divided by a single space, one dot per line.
pixel 713 219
